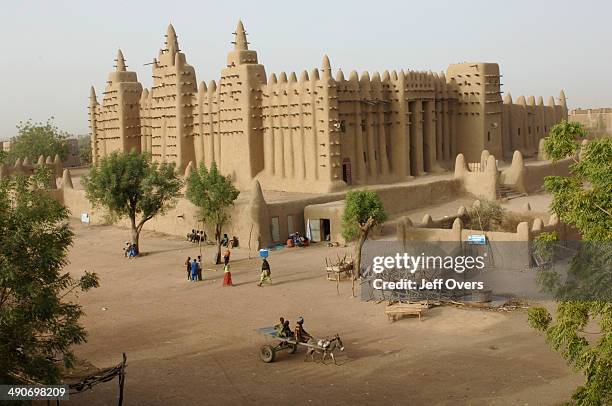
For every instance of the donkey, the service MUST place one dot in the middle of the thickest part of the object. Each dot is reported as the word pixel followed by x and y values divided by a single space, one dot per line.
pixel 325 347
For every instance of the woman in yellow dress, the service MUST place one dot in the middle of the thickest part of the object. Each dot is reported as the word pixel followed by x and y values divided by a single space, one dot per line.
pixel 227 276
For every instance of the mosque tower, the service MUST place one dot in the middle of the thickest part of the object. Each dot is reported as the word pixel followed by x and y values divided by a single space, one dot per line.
pixel 239 151
pixel 96 149
pixel 115 125
pixel 170 105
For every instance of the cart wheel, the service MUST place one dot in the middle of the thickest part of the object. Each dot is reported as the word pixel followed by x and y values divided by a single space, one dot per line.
pixel 293 348
pixel 266 353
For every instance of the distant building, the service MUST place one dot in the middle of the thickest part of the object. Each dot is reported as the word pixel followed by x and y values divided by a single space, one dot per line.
pixel 6 146
pixel 318 133
pixel 598 122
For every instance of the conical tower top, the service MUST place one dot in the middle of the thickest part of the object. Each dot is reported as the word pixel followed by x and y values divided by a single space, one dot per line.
pixel 241 54
pixel 562 98
pixel 326 67
pixel 93 100
pixel 120 61
pixel 325 64
pixel 171 39
pixel 240 40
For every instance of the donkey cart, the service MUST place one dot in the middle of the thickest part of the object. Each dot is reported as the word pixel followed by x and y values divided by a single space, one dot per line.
pixel 267 353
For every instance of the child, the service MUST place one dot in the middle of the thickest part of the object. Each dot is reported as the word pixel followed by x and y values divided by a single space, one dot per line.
pixel 227 276
pixel 194 270
pixel 226 256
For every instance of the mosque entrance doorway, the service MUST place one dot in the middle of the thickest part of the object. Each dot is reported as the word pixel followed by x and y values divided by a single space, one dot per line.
pixel 346 170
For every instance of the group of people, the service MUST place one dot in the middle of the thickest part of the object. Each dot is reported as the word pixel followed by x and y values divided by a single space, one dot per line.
pixel 298 240
pixel 197 236
pixel 130 250
pixel 194 268
pixel 264 277
pixel 229 243
pixel 299 333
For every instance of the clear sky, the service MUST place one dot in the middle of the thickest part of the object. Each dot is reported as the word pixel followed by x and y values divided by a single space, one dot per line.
pixel 53 51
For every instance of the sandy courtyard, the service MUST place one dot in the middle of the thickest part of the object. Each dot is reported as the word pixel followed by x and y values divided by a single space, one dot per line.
pixel 196 344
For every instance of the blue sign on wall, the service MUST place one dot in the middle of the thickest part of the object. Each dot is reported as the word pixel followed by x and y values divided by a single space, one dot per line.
pixel 477 239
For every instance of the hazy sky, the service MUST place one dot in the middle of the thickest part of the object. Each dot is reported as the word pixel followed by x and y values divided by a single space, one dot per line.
pixel 55 50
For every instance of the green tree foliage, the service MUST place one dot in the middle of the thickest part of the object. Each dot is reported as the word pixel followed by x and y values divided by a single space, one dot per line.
pixel 364 210
pixel 564 140
pixel 130 185
pixel 587 351
pixel 584 201
pixel 3 157
pixel 543 251
pixel 488 216
pixel 84 149
pixel 35 139
pixel 38 325
pixel 213 194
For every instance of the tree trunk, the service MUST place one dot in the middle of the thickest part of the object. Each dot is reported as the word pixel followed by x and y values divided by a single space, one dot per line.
pixel 201 237
pixel 250 232
pixel 363 236
pixel 218 238
pixel 358 247
pixel 218 255
pixel 135 233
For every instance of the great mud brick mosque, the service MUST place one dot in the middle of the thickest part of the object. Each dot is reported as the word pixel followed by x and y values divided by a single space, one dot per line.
pixel 314 132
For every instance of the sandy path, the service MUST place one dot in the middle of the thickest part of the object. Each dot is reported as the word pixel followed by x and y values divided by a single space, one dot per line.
pixel 195 344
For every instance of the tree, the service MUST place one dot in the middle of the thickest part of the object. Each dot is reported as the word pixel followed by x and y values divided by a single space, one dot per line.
pixel 130 185
pixel 213 194
pixel 84 149
pixel 35 139
pixel 487 216
pixel 563 140
pixel 363 210
pixel 583 201
pixel 38 325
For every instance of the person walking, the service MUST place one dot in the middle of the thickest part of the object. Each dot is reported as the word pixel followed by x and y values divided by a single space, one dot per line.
pixel 194 270
pixel 188 266
pixel 227 276
pixel 265 276
pixel 226 256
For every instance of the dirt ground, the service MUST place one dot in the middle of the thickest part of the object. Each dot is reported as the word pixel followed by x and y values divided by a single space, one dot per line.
pixel 195 343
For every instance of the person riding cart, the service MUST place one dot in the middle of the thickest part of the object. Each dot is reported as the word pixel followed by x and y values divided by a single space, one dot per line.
pixel 282 329
pixel 279 327
pixel 301 335
pixel 286 332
